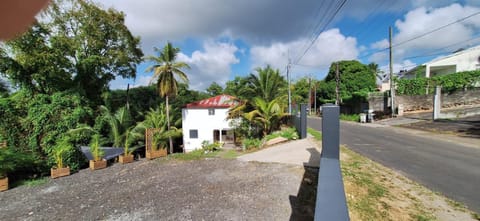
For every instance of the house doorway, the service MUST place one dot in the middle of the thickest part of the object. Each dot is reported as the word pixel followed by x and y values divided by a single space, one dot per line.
pixel 226 136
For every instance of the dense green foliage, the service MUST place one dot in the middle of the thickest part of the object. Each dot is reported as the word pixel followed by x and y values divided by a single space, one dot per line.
pixel 214 89
pixel 354 77
pixel 72 50
pixel 449 83
pixel 268 84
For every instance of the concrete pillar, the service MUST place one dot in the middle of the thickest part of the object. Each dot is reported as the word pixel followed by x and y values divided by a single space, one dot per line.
pixel 331 131
pixel 437 102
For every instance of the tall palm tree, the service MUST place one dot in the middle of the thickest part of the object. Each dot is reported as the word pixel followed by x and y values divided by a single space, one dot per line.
pixel 378 73
pixel 166 71
pixel 267 85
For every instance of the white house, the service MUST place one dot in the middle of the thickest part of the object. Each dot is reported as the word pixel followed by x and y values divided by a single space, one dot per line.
pixel 464 60
pixel 206 120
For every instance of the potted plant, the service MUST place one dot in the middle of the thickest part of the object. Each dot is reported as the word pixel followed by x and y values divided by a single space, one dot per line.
pixel 156 150
pixel 7 164
pixel 97 153
pixel 63 147
pixel 127 156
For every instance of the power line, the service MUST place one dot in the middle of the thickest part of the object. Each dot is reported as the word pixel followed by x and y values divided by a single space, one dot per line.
pixel 321 30
pixel 436 29
pixel 422 35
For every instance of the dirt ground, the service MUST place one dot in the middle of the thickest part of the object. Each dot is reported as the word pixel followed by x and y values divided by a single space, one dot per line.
pixel 208 189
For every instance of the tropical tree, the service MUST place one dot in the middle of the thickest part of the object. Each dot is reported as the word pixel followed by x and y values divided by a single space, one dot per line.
pixel 354 77
pixel 237 87
pixel 214 89
pixel 166 70
pixel 119 122
pixel 267 114
pixel 157 118
pixel 79 45
pixel 267 85
pixel 378 73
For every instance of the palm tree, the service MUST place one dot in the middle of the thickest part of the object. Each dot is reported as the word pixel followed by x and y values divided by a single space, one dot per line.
pixel 378 73
pixel 267 114
pixel 166 71
pixel 267 85
pixel 119 124
pixel 156 118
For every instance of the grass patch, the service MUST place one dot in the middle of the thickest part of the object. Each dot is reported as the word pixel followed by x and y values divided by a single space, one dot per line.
pixel 193 155
pixel 350 117
pixel 229 154
pixel 31 182
pixel 201 154
pixel 372 196
pixel 315 133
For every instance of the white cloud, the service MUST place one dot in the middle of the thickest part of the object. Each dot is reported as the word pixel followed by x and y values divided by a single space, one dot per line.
pixel 397 67
pixel 211 64
pixel 422 20
pixel 330 46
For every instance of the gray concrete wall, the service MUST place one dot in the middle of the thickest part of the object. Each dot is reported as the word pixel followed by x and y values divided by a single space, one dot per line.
pixel 425 102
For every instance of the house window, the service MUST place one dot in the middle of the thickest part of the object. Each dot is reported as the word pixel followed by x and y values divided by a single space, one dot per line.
pixel 193 134
pixel 211 111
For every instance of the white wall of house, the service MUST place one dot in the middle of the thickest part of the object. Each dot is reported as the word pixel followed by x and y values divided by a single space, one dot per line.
pixel 199 119
pixel 467 60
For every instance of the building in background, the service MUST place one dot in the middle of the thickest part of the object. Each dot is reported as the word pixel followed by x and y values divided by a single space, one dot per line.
pixel 206 120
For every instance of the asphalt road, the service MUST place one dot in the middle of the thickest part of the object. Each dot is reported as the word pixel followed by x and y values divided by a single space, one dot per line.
pixel 446 166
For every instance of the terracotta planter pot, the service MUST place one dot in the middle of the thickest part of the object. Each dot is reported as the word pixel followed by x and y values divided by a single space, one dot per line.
pixel 96 165
pixel 125 159
pixel 3 184
pixel 152 154
pixel 59 172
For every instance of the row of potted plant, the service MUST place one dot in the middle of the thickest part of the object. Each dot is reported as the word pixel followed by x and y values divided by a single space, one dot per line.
pixel 155 150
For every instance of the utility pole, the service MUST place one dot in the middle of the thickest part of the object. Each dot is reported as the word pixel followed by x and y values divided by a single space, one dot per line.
pixel 315 98
pixel 289 92
pixel 392 85
pixel 337 88
pixel 128 104
pixel 309 95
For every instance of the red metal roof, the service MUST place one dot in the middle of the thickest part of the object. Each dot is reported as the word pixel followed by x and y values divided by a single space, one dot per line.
pixel 220 101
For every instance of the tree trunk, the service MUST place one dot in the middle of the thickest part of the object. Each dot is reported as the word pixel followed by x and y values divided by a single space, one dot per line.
pixel 168 125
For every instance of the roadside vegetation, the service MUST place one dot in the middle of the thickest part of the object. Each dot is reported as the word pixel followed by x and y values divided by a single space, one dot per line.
pixel 350 117
pixel 374 192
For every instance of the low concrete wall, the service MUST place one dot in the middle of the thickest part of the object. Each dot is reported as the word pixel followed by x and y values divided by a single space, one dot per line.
pixel 425 102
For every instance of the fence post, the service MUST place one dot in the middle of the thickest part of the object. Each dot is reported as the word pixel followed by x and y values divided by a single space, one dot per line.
pixel 437 102
pixel 303 121
pixel 331 203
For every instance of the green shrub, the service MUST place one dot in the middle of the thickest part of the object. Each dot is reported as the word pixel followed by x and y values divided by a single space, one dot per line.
pixel 16 162
pixel 211 147
pixel 350 117
pixel 252 143
pixel 289 133
pixel 449 83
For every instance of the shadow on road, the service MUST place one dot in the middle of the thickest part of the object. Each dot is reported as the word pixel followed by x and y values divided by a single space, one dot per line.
pixel 303 204
pixel 464 127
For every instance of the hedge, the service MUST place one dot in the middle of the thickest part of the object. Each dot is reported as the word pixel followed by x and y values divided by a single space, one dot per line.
pixel 449 83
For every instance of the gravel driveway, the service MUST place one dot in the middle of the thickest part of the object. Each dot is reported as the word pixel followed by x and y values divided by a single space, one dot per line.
pixel 209 189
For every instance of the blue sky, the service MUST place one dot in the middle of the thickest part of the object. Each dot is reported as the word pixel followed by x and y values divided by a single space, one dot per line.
pixel 221 39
